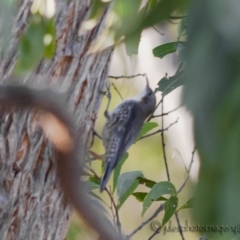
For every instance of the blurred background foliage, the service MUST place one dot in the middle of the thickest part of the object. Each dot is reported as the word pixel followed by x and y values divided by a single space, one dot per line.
pixel 205 41
pixel 212 94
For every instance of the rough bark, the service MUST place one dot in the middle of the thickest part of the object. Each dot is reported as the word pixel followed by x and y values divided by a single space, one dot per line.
pixel 32 205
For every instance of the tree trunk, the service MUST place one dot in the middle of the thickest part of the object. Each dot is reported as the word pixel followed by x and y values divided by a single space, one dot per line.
pixel 32 205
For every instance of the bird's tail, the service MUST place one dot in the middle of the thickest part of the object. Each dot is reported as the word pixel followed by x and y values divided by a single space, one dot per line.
pixel 106 176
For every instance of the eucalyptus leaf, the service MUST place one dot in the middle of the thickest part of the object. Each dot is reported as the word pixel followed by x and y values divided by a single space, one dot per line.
pixel 170 207
pixel 141 195
pixel 167 85
pixel 91 185
pixel 147 126
pixel 165 49
pixel 157 191
pixel 126 184
pixel 188 204
pixel 117 170
pixel 37 42
pixel 147 182
pixel 94 179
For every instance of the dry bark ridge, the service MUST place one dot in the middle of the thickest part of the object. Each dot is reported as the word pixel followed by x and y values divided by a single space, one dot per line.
pixel 32 205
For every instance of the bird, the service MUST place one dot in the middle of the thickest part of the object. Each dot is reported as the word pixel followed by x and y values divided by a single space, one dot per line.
pixel 123 126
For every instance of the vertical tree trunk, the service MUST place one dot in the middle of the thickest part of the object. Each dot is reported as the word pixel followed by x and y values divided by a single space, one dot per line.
pixel 31 204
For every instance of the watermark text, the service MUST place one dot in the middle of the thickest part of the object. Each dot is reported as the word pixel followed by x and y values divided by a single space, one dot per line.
pixel 187 227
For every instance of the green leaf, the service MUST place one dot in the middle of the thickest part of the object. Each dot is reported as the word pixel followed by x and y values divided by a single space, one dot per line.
pixel 117 170
pixel 165 49
pixel 152 4
pixel 125 8
pixel 126 184
pixel 188 204
pixel 161 11
pixel 132 43
pixel 147 126
pixel 167 85
pixel 73 231
pixel 94 179
pixel 141 195
pixel 49 37
pixel 91 185
pixel 156 192
pixel 170 207
pixel 37 42
pixel 31 46
pixel 97 8
pixel 146 182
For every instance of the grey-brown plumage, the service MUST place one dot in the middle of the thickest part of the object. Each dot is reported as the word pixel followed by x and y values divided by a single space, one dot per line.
pixel 122 128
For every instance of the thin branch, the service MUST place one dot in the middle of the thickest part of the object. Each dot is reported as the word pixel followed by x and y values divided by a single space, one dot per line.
pixel 128 77
pixel 118 223
pixel 145 222
pixel 115 88
pixel 157 30
pixel 167 171
pixel 189 169
pixel 111 198
pixel 179 226
pixel 95 156
pixel 97 135
pixel 109 97
pixel 179 68
pixel 92 171
pixel 170 21
pixel 163 147
pixel 157 231
pixel 165 114
pixel 158 131
pixel 94 133
pixel 150 117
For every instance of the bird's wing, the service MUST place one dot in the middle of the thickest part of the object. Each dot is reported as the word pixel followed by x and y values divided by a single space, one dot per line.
pixel 120 132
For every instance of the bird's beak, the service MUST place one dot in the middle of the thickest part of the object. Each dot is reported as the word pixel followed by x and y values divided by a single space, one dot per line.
pixel 147 81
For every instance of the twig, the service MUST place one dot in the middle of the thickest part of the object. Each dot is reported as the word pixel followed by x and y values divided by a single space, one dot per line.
pixel 158 131
pixel 189 169
pixel 163 147
pixel 128 77
pixel 109 96
pixel 157 231
pixel 94 133
pixel 92 171
pixel 111 198
pixel 167 171
pixel 150 117
pixel 165 114
pixel 179 68
pixel 157 30
pixel 95 156
pixel 118 223
pixel 115 88
pixel 145 222
pixel 179 226
pixel 170 21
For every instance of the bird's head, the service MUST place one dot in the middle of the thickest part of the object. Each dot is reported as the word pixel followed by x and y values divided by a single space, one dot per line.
pixel 147 99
